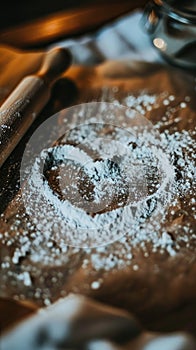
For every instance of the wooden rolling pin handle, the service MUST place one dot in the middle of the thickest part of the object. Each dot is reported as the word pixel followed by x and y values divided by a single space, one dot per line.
pixel 55 63
pixel 19 111
pixel 28 99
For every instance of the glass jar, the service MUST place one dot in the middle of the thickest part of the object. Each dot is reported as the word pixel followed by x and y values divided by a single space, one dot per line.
pixel 171 25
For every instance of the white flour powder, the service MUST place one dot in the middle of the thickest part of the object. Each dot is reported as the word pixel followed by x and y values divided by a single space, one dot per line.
pixel 168 173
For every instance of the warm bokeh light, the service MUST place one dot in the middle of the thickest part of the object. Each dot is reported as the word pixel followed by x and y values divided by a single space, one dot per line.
pixel 160 44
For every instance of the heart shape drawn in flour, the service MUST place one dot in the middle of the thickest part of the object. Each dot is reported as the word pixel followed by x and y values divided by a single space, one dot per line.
pixel 91 186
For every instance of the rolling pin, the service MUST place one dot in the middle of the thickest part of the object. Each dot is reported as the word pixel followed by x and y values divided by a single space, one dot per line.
pixel 24 104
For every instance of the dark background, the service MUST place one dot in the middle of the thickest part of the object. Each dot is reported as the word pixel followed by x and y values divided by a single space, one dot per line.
pixel 36 24
pixel 13 12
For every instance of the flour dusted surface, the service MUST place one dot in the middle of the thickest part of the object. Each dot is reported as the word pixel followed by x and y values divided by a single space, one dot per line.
pixel 151 226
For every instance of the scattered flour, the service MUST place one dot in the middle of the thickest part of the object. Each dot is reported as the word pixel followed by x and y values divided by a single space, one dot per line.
pixel 133 223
